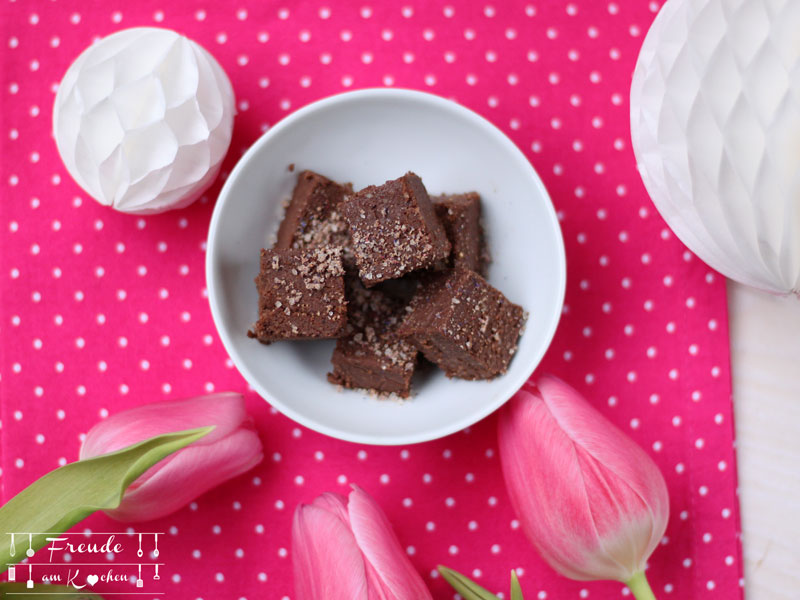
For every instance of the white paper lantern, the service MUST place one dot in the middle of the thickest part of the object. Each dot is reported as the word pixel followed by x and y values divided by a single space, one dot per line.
pixel 143 119
pixel 715 122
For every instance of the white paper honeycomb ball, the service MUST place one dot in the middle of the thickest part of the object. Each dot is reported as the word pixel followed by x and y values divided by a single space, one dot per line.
pixel 142 120
pixel 715 122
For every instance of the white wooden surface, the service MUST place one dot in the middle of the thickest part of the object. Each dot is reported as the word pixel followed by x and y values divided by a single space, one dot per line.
pixel 765 353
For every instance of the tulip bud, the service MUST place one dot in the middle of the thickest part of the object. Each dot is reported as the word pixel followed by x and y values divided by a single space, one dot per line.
pixel 346 549
pixel 231 449
pixel 591 501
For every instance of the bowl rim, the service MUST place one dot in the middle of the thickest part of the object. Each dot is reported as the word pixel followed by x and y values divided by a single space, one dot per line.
pixel 492 130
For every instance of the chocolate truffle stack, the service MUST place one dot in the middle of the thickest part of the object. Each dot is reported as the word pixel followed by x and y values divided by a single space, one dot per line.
pixel 390 273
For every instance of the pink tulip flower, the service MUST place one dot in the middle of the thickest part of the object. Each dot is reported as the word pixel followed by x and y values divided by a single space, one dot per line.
pixel 591 501
pixel 229 450
pixel 346 549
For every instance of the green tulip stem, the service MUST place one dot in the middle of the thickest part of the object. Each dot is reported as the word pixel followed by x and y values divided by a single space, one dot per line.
pixel 639 587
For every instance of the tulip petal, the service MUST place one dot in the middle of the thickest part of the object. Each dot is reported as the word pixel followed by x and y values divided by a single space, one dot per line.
pixel 335 504
pixel 225 410
pixel 546 487
pixel 327 561
pixel 614 503
pixel 612 449
pixel 173 483
pixel 237 448
pixel 389 569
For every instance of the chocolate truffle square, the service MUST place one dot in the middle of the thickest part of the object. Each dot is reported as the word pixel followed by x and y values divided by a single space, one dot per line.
pixel 372 356
pixel 300 295
pixel 313 216
pixel 462 324
pixel 460 214
pixel 394 230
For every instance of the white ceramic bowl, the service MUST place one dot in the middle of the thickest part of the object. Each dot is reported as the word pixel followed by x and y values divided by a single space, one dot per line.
pixel 368 137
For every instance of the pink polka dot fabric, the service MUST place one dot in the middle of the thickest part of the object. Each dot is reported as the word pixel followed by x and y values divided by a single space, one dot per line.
pixel 102 311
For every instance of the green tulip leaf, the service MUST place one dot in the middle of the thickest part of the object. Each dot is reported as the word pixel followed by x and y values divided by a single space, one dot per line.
pixel 516 590
pixel 45 592
pixel 468 589
pixel 61 498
